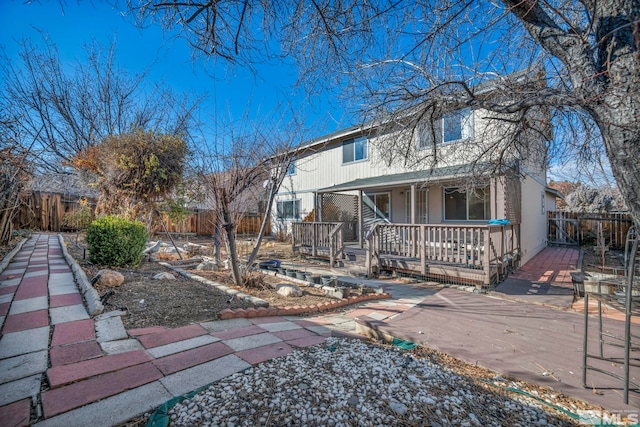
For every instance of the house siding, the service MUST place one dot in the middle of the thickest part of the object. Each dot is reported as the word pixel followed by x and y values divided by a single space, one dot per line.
pixel 519 200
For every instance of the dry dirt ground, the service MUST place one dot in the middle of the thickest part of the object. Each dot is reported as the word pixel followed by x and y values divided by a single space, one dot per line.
pixel 179 302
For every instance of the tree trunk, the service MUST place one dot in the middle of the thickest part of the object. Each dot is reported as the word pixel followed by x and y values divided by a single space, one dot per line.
pixel 616 110
pixel 622 144
pixel 232 249
pixel 263 227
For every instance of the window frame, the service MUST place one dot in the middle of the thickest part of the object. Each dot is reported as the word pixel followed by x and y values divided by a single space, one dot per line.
pixel 292 169
pixel 447 191
pixel 374 196
pixel 424 133
pixel 353 142
pixel 296 209
pixel 465 123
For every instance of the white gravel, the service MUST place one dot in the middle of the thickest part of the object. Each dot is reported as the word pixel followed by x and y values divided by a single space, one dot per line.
pixel 352 383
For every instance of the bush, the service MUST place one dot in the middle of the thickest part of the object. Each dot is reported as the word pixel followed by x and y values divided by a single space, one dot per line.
pixel 116 241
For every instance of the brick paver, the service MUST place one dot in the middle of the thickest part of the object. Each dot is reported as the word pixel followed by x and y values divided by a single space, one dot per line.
pixel 4 290
pixel 264 353
pixel 23 321
pixel 16 414
pixel 307 341
pixel 240 332
pixel 65 300
pixel 187 359
pixel 67 354
pixel 72 396
pixel 60 375
pixel 73 332
pixel 31 291
pixel 171 335
pixel 294 334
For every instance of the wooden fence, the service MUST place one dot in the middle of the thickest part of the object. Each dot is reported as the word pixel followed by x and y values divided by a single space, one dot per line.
pixel 580 228
pixel 202 223
pixel 46 211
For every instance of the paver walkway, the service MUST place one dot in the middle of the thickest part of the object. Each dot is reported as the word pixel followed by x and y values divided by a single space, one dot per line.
pixel 524 334
pixel 58 366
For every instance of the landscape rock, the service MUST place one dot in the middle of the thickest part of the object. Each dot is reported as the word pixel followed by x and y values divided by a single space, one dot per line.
pixel 109 278
pixel 289 290
pixel 207 266
pixel 164 276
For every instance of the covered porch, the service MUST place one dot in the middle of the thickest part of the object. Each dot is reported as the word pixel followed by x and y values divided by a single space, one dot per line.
pixel 432 224
pixel 463 254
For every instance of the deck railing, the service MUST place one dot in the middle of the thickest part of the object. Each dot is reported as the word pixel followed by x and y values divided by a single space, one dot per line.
pixel 316 235
pixel 481 247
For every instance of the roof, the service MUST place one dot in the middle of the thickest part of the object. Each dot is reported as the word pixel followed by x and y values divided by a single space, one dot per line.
pixel 62 183
pixel 438 174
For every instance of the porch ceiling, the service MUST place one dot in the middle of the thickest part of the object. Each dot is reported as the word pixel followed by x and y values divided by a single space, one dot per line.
pixel 428 175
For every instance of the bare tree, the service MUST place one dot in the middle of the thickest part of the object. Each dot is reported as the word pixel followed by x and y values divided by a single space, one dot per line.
pixel 15 173
pixel 244 165
pixel 431 57
pixel 65 110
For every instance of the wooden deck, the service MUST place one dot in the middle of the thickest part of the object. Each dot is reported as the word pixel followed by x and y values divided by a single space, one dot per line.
pixel 465 254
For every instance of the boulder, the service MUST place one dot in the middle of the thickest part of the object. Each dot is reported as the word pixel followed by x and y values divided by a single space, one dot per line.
pixel 289 290
pixel 164 276
pixel 109 278
pixel 207 266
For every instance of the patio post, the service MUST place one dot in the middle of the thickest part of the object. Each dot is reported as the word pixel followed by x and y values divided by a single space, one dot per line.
pixel 413 203
pixel 360 221
pixel 486 255
pixel 423 249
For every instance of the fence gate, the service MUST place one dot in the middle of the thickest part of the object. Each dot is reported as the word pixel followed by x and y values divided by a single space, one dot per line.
pixel 562 230
pixel 579 228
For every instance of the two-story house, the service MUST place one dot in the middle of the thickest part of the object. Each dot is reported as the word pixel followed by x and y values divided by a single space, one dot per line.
pixel 432 218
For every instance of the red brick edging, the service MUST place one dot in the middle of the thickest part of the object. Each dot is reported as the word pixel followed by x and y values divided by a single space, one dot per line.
pixel 297 309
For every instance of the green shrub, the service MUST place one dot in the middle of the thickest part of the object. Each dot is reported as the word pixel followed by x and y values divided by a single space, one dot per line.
pixel 116 241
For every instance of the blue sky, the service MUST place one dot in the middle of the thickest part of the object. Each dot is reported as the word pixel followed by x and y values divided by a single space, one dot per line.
pixel 233 91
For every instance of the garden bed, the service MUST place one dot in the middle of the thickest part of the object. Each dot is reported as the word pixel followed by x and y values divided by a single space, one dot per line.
pixel 180 302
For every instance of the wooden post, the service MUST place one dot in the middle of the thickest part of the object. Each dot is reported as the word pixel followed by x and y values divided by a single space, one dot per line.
pixel 485 257
pixel 314 238
pixel 423 249
pixel 413 203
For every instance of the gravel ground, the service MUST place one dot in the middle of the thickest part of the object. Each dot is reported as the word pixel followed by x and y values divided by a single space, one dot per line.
pixel 353 383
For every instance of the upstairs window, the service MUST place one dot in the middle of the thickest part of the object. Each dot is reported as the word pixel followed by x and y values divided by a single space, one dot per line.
pixel 288 209
pixel 457 125
pixel 292 169
pixel 466 205
pixel 454 126
pixel 354 150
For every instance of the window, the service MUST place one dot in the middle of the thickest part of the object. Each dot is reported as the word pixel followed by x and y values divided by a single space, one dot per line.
pixel 463 205
pixel 288 209
pixel 292 169
pixel 457 125
pixel 354 150
pixel 454 126
pixel 381 203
